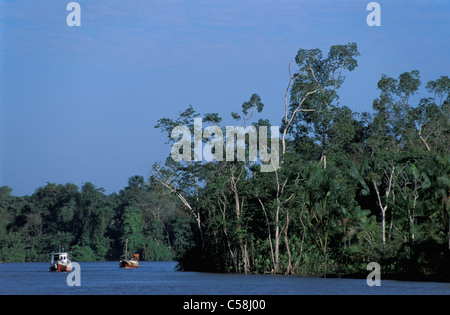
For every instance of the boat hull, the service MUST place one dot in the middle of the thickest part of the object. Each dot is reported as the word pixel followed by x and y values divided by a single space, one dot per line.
pixel 128 264
pixel 60 268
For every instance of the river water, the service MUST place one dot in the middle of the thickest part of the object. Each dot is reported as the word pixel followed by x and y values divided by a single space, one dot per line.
pixel 156 278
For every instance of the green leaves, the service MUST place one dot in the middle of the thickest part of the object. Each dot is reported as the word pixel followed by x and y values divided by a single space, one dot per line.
pixel 408 83
pixel 400 124
pixel 248 109
pixel 313 96
pixel 440 88
pixel 343 56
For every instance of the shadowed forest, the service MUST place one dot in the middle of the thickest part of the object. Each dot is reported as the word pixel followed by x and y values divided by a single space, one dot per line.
pixel 352 188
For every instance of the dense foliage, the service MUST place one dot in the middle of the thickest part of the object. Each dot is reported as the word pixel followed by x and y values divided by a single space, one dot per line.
pixel 90 224
pixel 352 188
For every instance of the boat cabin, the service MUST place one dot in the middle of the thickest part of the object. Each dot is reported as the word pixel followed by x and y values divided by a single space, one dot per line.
pixel 60 262
pixel 61 256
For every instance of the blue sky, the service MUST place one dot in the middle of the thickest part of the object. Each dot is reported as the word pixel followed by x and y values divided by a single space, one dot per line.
pixel 79 104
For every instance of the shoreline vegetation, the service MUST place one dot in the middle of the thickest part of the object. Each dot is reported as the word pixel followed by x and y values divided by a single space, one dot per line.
pixel 351 188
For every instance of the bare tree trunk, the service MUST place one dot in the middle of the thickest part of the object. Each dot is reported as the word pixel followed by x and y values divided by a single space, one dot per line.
pixel 277 225
pixel 323 159
pixel 324 155
pixel 195 214
pixel 287 122
pixel 286 241
pixel 384 207
pixel 269 234
pixel 419 133
pixel 277 239
pixel 225 230
pixel 234 182
pixel 383 216
pixel 303 240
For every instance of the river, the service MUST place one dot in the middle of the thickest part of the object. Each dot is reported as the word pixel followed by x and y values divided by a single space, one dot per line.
pixel 160 278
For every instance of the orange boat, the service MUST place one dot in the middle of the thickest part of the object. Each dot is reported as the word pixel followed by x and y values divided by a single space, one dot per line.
pixel 132 262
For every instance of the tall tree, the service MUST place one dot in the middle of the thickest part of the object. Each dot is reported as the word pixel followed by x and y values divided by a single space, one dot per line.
pixel 314 92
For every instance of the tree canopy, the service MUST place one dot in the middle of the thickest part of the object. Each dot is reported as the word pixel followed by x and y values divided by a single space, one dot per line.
pixel 352 188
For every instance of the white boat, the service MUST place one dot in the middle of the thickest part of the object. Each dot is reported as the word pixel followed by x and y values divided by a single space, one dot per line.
pixel 60 262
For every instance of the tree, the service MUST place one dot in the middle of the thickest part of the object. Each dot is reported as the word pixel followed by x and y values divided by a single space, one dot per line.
pixel 94 216
pixel 383 184
pixel 133 229
pixel 432 116
pixel 314 91
pixel 182 178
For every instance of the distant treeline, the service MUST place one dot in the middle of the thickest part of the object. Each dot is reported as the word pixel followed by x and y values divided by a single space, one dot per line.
pixel 352 188
pixel 91 225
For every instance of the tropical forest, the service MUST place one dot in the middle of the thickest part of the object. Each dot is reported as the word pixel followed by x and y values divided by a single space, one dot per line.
pixel 349 188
